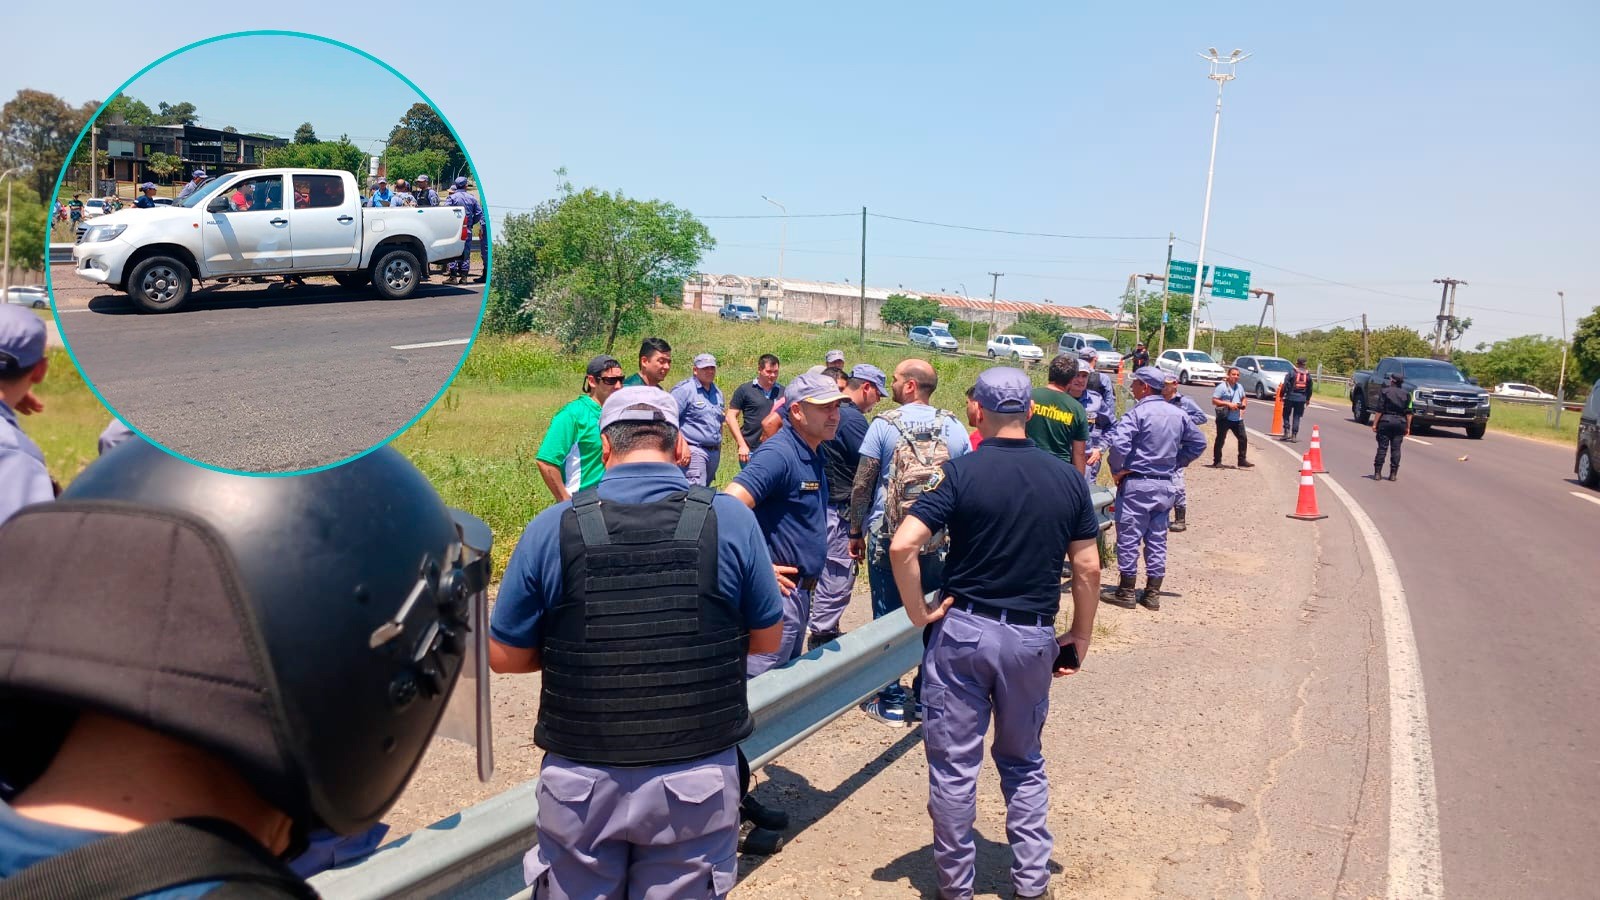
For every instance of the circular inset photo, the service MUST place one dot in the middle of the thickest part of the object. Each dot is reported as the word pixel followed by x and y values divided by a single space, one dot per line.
pixel 278 252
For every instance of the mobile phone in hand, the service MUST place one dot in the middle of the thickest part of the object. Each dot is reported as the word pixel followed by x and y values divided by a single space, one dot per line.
pixel 1067 658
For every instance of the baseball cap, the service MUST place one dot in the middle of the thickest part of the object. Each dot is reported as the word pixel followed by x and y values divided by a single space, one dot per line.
pixel 199 173
pixel 147 186
pixel 1003 389
pixel 705 359
pixel 382 180
pixel 22 338
pixel 598 366
pixel 1151 376
pixel 833 356
pixel 872 375
pixel 816 370
pixel 809 388
pixel 423 178
pixel 461 182
pixel 639 403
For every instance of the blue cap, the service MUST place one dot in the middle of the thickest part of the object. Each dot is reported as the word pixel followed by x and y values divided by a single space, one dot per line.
pixel 1152 377
pixel 871 375
pixel 22 338
pixel 1003 389
pixel 461 182
pixel 809 388
pixel 199 173
pixel 705 360
pixel 147 186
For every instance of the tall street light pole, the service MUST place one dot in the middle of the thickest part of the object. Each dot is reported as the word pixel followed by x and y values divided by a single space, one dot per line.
pixel 1222 73
pixel 5 273
pixel 994 303
pixel 1561 380
pixel 783 241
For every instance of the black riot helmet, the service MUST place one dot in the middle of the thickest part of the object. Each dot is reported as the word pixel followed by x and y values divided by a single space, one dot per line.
pixel 308 630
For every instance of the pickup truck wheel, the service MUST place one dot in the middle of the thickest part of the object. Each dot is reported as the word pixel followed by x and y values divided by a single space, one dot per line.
pixel 1358 410
pixel 395 274
pixel 1587 474
pixel 1475 432
pixel 160 284
pixel 353 280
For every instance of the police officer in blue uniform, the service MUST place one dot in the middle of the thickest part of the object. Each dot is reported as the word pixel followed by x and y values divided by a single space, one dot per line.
pixel 701 419
pixel 1146 447
pixel 23 477
pixel 1180 509
pixel 147 196
pixel 638 600
pixel 992 647
pixel 460 268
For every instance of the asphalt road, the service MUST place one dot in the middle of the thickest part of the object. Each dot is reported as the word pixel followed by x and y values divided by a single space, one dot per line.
pixel 262 379
pixel 1497 555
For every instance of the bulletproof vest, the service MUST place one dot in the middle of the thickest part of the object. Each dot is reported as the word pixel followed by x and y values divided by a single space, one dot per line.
pixel 1394 401
pixel 643 655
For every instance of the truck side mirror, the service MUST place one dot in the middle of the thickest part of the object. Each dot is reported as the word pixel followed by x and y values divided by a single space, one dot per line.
pixel 1472 381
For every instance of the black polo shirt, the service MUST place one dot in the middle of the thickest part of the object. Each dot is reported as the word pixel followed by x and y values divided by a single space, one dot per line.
pixel 753 404
pixel 1012 509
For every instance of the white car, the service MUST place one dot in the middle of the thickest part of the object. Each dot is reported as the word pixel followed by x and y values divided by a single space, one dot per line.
pixel 94 207
pixel 1106 358
pixel 1014 346
pixel 1521 391
pixel 1261 375
pixel 268 222
pixel 1191 366
pixel 936 336
pixel 33 296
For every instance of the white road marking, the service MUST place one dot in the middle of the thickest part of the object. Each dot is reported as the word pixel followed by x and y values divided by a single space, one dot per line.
pixel 1416 868
pixel 455 342
pixel 1417 440
pixel 1320 406
pixel 1589 497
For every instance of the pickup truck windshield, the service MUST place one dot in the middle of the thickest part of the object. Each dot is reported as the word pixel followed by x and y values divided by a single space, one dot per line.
pixel 198 198
pixel 1436 371
pixel 1275 365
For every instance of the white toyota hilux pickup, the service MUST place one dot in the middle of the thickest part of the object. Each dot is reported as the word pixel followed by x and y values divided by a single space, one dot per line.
pixel 292 222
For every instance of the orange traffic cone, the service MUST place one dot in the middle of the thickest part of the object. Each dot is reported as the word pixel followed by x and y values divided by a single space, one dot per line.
pixel 1306 507
pixel 1119 373
pixel 1316 451
pixel 1277 417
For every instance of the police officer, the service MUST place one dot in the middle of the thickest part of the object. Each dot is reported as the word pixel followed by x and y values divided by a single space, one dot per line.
pixel 1295 389
pixel 639 601
pixel 1180 509
pixel 700 418
pixel 841 457
pixel 1140 356
pixel 198 178
pixel 188 717
pixel 834 358
pixel 1099 382
pixel 422 191
pixel 1100 413
pixel 461 267
pixel 147 196
pixel 1392 425
pixel 1146 447
pixel 992 647
pixel 23 476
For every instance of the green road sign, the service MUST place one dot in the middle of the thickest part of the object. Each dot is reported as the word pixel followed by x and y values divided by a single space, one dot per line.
pixel 1232 284
pixel 1180 277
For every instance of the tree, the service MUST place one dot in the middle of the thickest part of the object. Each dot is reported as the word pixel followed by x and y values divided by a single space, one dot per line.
pixel 305 134
pixel 1149 305
pixel 1042 328
pixel 398 164
pixel 1530 358
pixel 421 128
pixel 183 113
pixel 903 312
pixel 229 129
pixel 129 110
pixel 29 222
pixel 163 164
pixel 321 155
pixel 1586 349
pixel 37 130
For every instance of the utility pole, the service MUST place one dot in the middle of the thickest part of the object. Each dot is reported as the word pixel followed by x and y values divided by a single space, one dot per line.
pixel 861 328
pixel 1133 297
pixel 994 303
pixel 1366 355
pixel 1561 380
pixel 94 146
pixel 783 241
pixel 5 274
pixel 1222 73
pixel 1161 339
pixel 1441 334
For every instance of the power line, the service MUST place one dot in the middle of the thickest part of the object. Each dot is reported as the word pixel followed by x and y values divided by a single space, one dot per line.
pixel 1045 234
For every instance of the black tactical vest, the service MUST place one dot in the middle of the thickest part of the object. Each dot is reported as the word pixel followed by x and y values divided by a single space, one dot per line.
pixel 643 655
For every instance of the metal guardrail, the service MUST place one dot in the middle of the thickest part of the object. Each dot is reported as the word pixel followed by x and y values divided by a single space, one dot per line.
pixel 60 253
pixel 476 854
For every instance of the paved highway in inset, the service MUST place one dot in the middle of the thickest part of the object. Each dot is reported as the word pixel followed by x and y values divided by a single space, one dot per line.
pixel 258 378
pixel 1496 552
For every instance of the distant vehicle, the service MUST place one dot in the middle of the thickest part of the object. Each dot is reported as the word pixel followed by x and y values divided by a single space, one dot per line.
pixel 1191 366
pixel 1521 391
pixel 29 295
pixel 1106 359
pixel 164 201
pixel 935 336
pixel 259 222
pixel 1261 375
pixel 738 312
pixel 1588 463
pixel 94 206
pixel 1440 394
pixel 1015 346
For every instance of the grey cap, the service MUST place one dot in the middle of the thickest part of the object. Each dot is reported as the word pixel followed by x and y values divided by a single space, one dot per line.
pixel 871 375
pixel 639 403
pixel 199 173
pixel 422 178
pixel 461 182
pixel 833 356
pixel 22 339
pixel 816 370
pixel 599 364
pixel 809 388
pixel 1003 389
pixel 147 186
pixel 704 360
pixel 1152 377
pixel 382 180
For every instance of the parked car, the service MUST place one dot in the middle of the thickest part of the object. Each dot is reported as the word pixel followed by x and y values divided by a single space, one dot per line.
pixel 738 312
pixel 1015 346
pixel 1440 394
pixel 1521 391
pixel 1191 366
pixel 30 295
pixel 164 201
pixel 1261 375
pixel 1106 359
pixel 1587 465
pixel 259 222
pixel 95 207
pixel 935 336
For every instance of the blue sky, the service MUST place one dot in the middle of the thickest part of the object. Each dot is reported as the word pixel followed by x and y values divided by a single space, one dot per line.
pixel 1377 145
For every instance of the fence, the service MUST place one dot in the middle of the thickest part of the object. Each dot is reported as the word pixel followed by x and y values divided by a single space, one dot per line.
pixel 476 854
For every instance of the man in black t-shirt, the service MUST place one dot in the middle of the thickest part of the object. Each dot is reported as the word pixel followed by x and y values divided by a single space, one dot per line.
pixel 754 413
pixel 992 647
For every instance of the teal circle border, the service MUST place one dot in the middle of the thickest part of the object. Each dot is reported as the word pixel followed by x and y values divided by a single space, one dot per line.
pixel 488 252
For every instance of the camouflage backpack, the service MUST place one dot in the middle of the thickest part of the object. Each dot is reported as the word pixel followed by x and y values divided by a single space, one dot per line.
pixel 914 467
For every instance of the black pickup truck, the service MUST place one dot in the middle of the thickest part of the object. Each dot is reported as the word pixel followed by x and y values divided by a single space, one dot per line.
pixel 1440 394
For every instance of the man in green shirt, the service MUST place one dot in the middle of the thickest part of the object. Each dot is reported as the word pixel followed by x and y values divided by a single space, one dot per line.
pixel 569 457
pixel 655 362
pixel 1059 425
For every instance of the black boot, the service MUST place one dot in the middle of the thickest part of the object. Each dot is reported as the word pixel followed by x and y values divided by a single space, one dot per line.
pixel 1151 598
pixel 750 810
pixel 1178 519
pixel 758 841
pixel 1124 595
pixel 1377 472
pixel 1394 474
pixel 817 638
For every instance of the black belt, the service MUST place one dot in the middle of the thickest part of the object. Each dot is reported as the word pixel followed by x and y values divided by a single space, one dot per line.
pixel 807 584
pixel 1008 616
pixel 709 446
pixel 1148 475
